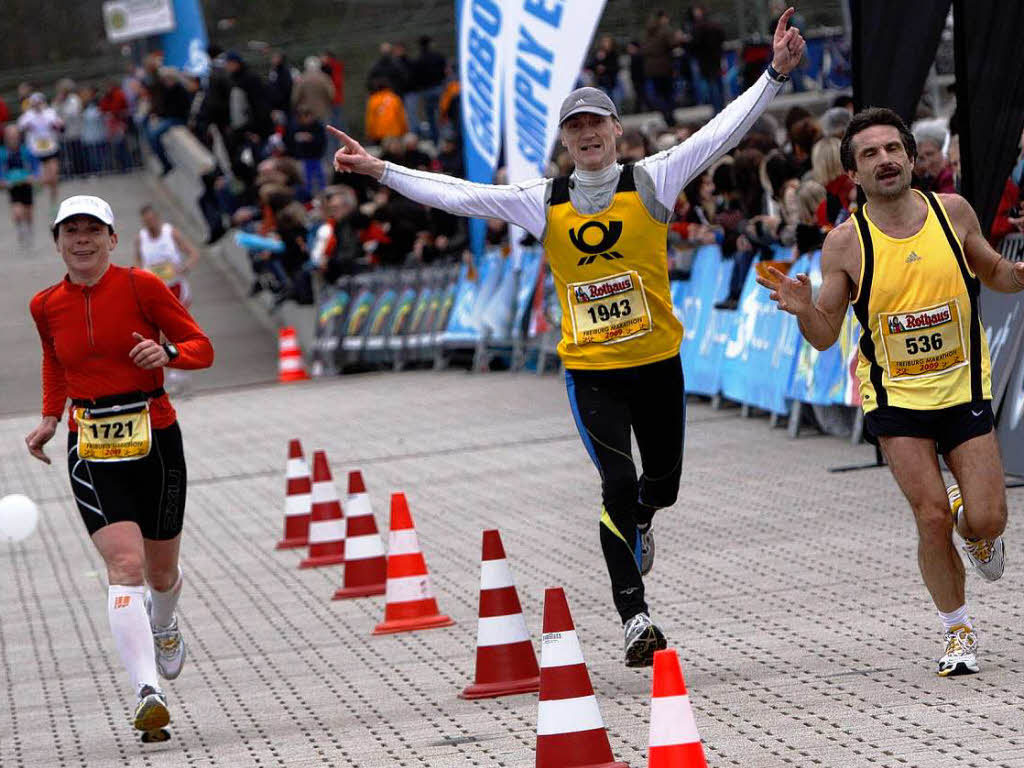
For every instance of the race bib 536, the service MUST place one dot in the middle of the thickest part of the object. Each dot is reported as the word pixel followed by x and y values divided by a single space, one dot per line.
pixel 923 342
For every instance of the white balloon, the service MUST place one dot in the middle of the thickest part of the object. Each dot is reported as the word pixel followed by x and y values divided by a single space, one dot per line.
pixel 18 517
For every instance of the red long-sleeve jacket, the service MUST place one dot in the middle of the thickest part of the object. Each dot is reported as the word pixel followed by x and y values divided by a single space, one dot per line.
pixel 86 332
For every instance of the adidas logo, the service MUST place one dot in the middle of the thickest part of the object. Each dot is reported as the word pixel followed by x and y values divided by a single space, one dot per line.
pixel 580 101
pixel 913 257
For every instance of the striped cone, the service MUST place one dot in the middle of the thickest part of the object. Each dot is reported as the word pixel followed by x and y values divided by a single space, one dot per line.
pixel 327 522
pixel 674 742
pixel 505 659
pixel 570 731
pixel 289 356
pixel 410 600
pixel 366 564
pixel 297 500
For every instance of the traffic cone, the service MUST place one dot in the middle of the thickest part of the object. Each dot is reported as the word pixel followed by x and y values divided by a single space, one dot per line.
pixel 327 522
pixel 570 731
pixel 297 499
pixel 674 742
pixel 289 356
pixel 366 564
pixel 505 659
pixel 410 600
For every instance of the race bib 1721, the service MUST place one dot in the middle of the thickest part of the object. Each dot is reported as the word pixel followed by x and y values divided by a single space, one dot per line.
pixel 113 434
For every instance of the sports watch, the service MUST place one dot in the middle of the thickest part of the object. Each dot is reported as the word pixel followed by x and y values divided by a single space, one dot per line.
pixel 171 350
pixel 775 75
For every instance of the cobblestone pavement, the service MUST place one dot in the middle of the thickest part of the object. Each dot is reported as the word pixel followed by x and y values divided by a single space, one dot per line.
pixel 792 594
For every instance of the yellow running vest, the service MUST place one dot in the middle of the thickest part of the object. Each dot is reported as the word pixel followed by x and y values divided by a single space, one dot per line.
pixel 922 345
pixel 611 277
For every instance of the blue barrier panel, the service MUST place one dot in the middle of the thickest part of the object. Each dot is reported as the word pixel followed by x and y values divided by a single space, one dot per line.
pixel 815 373
pixel 528 270
pixel 758 356
pixel 705 329
pixel 470 299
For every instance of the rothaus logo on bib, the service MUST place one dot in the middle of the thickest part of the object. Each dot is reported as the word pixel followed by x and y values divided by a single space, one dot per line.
pixel 586 240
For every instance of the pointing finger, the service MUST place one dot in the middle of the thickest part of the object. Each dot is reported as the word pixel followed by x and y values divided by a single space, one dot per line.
pixel 784 21
pixel 138 336
pixel 347 140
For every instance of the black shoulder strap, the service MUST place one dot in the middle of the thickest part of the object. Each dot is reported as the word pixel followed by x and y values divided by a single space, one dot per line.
pixel 559 190
pixel 860 308
pixel 627 182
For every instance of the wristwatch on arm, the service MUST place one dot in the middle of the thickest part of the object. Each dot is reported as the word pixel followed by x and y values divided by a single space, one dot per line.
pixel 171 350
pixel 775 75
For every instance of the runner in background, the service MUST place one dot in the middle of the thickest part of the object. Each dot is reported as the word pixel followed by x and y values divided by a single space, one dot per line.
pixel 41 129
pixel 17 174
pixel 161 249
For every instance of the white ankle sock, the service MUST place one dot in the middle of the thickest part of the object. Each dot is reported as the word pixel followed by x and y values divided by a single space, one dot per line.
pixel 134 639
pixel 162 604
pixel 959 616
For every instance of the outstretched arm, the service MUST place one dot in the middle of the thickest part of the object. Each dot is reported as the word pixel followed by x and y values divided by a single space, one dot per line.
pixel 820 319
pixel 673 169
pixel 991 268
pixel 520 204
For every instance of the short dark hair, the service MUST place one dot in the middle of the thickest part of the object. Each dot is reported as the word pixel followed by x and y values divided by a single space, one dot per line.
pixel 145 209
pixel 867 118
pixel 55 230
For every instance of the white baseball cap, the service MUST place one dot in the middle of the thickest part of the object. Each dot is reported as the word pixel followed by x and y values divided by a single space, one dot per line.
pixel 86 205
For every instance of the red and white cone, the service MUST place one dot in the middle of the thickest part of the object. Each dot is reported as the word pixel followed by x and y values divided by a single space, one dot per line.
pixel 289 356
pixel 570 731
pixel 298 499
pixel 505 659
pixel 366 564
pixel 674 742
pixel 327 521
pixel 410 600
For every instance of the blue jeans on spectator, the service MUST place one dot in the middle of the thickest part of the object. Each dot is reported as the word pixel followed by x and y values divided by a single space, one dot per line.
pixel 430 99
pixel 95 156
pixel 313 175
pixel 155 131
pixel 660 95
pixel 740 266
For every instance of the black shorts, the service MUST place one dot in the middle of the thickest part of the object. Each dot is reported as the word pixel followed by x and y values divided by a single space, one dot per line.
pixel 948 427
pixel 149 491
pixel 21 193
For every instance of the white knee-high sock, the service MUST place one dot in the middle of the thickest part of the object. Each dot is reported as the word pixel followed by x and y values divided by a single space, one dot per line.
pixel 162 604
pixel 134 639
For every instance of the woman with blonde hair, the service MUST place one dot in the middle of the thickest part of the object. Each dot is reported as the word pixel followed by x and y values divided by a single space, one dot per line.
pixel 827 170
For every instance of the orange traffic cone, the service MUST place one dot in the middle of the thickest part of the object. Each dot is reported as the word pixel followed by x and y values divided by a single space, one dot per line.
pixel 289 356
pixel 505 659
pixel 674 742
pixel 570 731
pixel 410 600
pixel 327 521
pixel 366 564
pixel 297 500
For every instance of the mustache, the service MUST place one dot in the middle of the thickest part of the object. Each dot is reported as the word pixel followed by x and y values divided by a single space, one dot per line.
pixel 887 169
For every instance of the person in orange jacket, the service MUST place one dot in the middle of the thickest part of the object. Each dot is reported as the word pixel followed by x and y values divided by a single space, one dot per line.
pixel 385 113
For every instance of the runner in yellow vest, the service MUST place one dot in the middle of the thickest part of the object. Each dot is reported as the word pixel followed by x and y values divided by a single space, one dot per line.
pixel 604 232
pixel 912 264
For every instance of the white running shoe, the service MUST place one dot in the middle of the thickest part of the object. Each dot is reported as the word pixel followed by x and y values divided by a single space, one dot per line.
pixel 169 647
pixel 987 556
pixel 151 713
pixel 643 638
pixel 959 658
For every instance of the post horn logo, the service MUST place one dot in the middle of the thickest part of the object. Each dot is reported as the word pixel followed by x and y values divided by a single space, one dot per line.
pixel 609 236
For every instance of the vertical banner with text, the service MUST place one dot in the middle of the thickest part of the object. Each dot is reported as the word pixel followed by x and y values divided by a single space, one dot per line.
pixel 482 34
pixel 185 46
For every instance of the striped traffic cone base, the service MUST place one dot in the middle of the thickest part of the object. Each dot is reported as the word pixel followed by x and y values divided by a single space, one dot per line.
pixel 366 566
pixel 298 499
pixel 410 603
pixel 327 520
pixel 506 663
pixel 348 593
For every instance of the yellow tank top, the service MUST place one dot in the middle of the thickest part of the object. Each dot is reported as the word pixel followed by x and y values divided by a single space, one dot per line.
pixel 611 277
pixel 922 345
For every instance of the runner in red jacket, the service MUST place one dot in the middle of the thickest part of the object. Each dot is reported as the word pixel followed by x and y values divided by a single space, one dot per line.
pixel 100 329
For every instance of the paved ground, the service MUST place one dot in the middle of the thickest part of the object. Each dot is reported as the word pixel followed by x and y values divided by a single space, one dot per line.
pixel 791 593
pixel 246 353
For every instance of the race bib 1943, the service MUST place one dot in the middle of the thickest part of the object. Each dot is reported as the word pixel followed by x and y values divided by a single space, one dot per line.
pixel 923 342
pixel 118 433
pixel 608 310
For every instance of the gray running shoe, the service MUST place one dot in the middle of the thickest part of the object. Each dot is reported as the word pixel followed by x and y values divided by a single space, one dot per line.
pixel 646 534
pixel 151 713
pixel 168 646
pixel 643 638
pixel 959 658
pixel 987 556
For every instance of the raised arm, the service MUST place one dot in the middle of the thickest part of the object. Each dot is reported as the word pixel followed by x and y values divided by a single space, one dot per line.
pixel 820 319
pixel 990 267
pixel 520 204
pixel 672 169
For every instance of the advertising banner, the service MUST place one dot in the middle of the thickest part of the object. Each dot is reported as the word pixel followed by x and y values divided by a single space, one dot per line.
pixel 483 30
pixel 126 20
pixel 185 46
pixel 706 330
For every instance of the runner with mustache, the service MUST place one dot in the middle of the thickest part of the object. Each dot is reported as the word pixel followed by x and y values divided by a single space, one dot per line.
pixel 912 263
